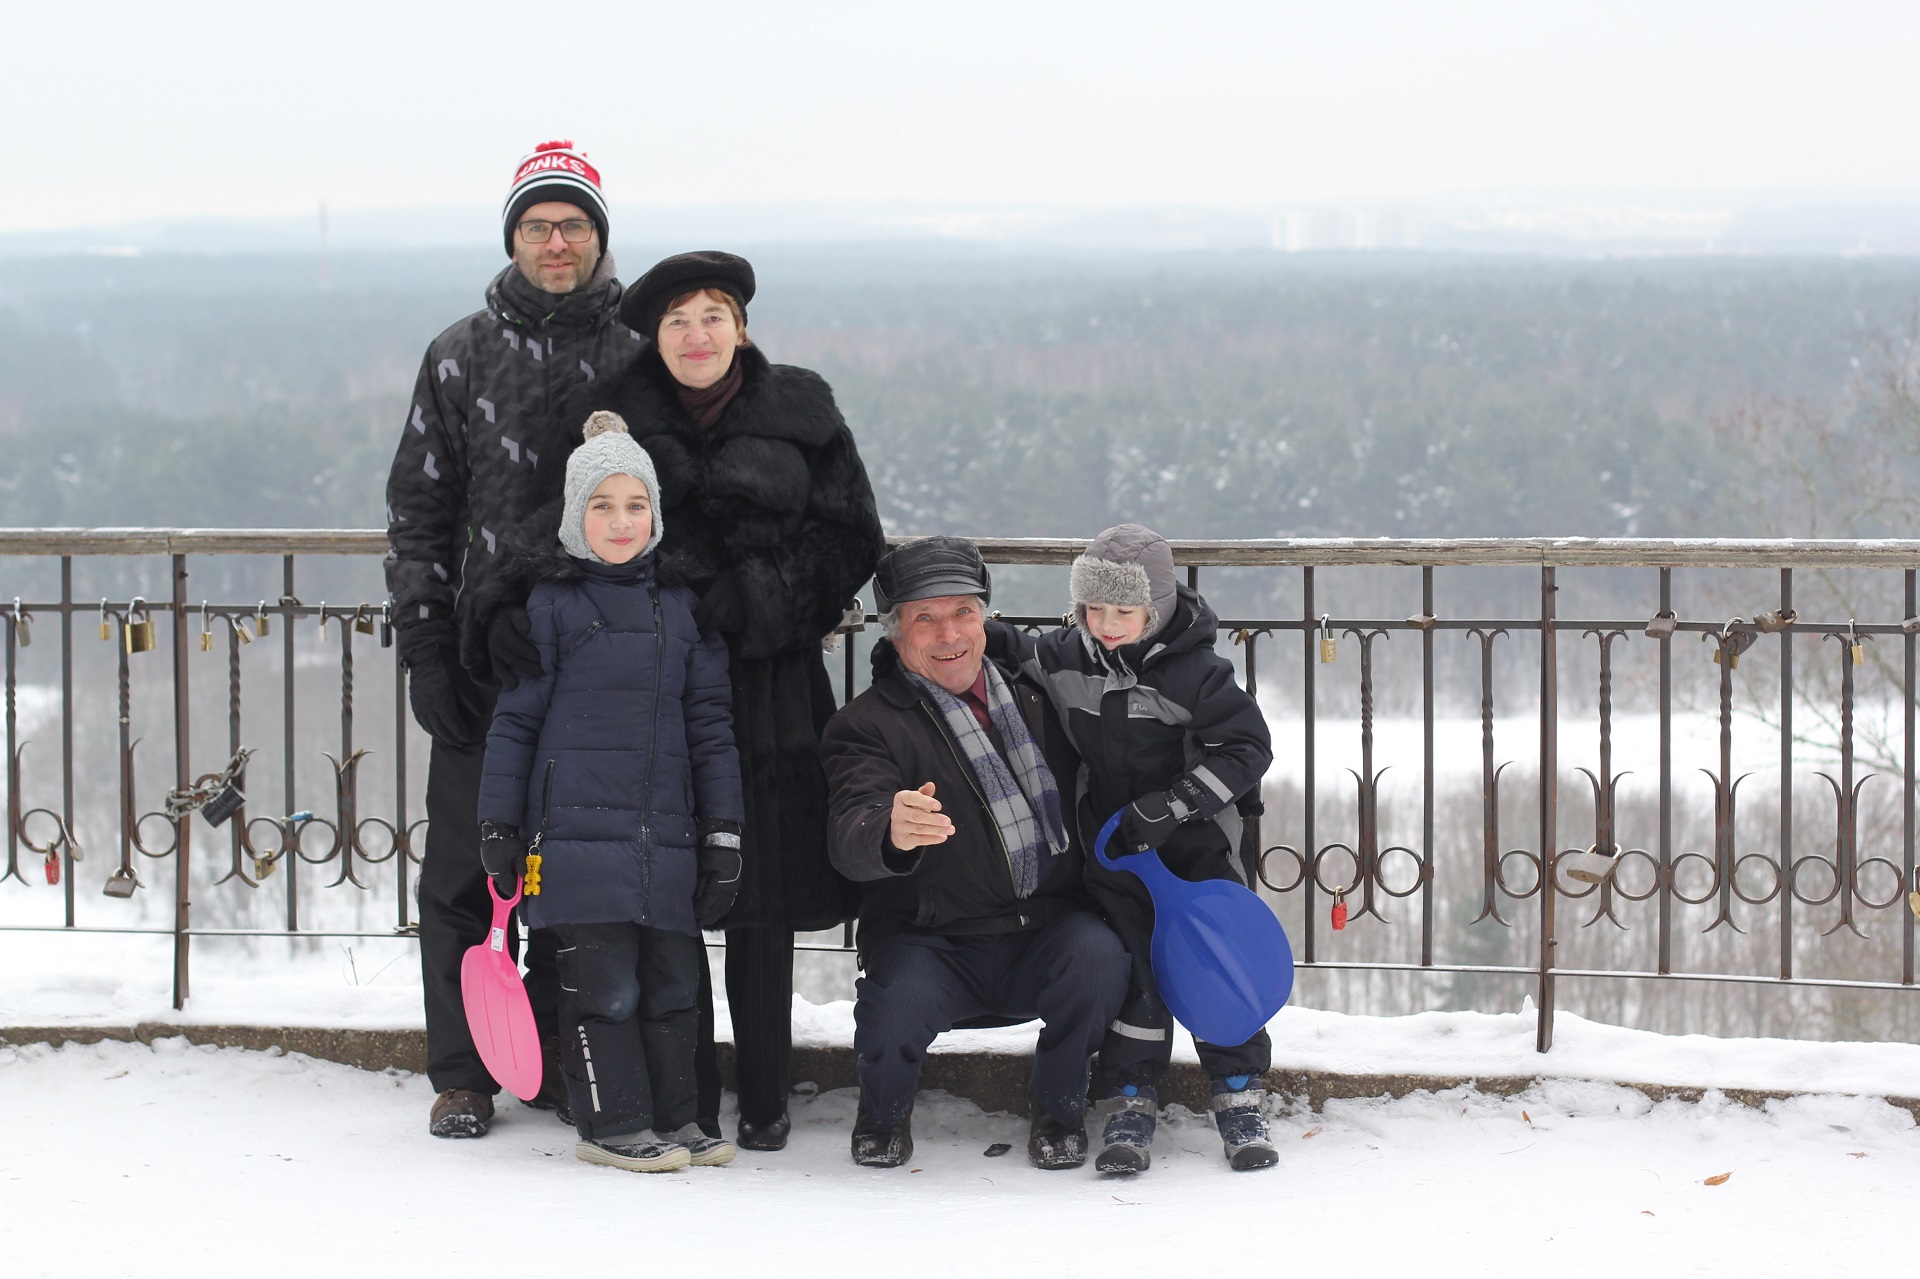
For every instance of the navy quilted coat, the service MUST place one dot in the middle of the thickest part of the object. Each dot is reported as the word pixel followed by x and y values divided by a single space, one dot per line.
pixel 618 750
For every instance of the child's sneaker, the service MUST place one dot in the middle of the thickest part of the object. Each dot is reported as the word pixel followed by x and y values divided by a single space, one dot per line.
pixel 1236 1101
pixel 635 1154
pixel 1126 1143
pixel 703 1151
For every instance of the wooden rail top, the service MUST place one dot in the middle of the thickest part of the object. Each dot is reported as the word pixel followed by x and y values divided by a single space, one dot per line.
pixel 1524 552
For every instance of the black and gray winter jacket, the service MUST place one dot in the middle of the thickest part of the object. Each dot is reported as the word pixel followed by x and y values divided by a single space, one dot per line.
pixel 891 738
pixel 1155 713
pixel 498 406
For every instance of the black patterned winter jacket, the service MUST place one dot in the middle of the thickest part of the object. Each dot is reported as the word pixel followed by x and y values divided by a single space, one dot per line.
pixel 498 406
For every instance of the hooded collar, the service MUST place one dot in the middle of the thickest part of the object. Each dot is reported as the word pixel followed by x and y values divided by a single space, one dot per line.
pixel 1194 624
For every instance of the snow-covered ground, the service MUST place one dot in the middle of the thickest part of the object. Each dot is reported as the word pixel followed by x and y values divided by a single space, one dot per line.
pixel 170 1159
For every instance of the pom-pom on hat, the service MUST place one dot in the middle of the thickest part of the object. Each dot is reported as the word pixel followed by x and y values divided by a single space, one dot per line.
pixel 606 450
pixel 555 171
pixel 647 298
pixel 1129 566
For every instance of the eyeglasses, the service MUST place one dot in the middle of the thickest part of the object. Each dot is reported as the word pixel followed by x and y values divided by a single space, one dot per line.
pixel 573 231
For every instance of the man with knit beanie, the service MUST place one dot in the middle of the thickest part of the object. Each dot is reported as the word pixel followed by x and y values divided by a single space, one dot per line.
pixel 495 411
pixel 1166 734
pixel 615 765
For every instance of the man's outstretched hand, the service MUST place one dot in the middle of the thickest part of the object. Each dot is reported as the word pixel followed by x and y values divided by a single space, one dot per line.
pixel 917 819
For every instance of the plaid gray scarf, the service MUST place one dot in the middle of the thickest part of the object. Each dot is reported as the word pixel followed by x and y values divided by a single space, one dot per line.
pixel 1013 794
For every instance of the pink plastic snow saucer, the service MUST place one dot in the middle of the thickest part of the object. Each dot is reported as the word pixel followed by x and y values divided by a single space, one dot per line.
pixel 498 1013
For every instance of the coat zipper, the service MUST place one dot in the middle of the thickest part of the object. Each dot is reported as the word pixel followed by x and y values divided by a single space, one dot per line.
pixel 966 771
pixel 546 807
pixel 584 637
pixel 653 742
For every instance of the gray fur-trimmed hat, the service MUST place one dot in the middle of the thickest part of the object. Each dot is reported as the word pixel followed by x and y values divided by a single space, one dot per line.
pixel 607 450
pixel 1130 566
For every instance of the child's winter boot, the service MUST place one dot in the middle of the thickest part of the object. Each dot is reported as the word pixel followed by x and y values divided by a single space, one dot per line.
pixel 1054 1145
pixel 1236 1104
pixel 636 1152
pixel 702 1151
pixel 1126 1143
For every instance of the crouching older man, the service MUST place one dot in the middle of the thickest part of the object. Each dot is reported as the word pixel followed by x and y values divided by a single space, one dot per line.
pixel 945 806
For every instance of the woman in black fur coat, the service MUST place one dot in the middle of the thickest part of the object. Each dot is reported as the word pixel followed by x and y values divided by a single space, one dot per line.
pixel 770 520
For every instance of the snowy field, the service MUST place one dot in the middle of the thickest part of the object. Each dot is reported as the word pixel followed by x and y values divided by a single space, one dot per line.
pixel 125 1159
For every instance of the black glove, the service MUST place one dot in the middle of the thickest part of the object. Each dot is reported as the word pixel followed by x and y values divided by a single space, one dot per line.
pixel 503 854
pixel 510 647
pixel 445 703
pixel 719 875
pixel 723 609
pixel 1149 822
pixel 1152 819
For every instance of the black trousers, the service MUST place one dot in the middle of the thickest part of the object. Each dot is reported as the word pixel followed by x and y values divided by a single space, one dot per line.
pixel 455 913
pixel 759 981
pixel 1071 974
pixel 629 1011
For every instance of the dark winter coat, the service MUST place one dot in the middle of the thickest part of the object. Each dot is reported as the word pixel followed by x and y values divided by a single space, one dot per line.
pixel 498 406
pixel 1144 717
pixel 892 738
pixel 1152 712
pixel 618 750
pixel 773 496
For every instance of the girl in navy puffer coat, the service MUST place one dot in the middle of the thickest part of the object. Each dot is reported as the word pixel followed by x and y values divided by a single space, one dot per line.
pixel 617 767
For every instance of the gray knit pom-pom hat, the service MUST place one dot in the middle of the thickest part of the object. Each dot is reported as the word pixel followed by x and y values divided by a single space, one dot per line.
pixel 607 449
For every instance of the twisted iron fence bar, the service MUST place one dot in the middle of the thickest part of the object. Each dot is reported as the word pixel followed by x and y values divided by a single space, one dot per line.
pixel 1369 861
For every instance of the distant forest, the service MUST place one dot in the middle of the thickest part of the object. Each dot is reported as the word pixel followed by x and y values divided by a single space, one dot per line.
pixel 1214 395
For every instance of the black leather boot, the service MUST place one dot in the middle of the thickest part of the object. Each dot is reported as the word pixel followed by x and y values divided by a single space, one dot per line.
pixel 880 1146
pixel 771 1135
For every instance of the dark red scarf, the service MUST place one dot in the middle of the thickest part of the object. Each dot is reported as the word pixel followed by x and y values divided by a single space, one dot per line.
pixel 706 405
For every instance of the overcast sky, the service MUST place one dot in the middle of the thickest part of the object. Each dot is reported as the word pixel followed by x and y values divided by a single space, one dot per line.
pixel 118 112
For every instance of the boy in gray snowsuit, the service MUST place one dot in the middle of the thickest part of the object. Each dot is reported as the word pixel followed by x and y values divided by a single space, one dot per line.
pixel 1166 734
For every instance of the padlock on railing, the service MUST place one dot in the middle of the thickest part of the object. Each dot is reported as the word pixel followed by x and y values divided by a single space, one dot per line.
pixel 223 805
pixel 1327 646
pixel 1662 625
pixel 262 624
pixel 138 631
pixel 206 628
pixel 363 620
pixel 121 883
pixel 22 629
pixel 1339 912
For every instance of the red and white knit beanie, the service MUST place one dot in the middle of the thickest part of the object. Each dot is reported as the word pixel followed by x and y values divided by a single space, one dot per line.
pixel 555 171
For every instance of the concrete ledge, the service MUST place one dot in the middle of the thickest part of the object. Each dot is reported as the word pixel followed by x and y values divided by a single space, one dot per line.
pixel 992 1081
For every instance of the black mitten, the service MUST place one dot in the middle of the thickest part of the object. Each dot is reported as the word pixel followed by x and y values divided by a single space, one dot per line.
pixel 1149 822
pixel 442 703
pixel 503 854
pixel 719 873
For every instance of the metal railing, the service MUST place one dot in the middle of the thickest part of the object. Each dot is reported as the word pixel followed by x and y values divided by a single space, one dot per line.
pixel 1360 870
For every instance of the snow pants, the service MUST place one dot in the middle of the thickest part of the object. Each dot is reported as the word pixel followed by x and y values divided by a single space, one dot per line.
pixel 1138 1046
pixel 455 913
pixel 629 1009
pixel 1071 974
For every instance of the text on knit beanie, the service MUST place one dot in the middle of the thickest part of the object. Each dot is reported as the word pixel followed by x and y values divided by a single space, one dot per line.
pixel 555 171
pixel 1129 566
pixel 607 450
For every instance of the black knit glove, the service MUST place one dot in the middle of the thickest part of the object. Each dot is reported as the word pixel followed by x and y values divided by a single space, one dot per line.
pixel 511 651
pixel 719 874
pixel 503 854
pixel 723 609
pixel 445 705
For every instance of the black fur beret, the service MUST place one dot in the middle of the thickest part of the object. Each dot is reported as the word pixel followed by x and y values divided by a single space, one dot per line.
pixel 646 299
